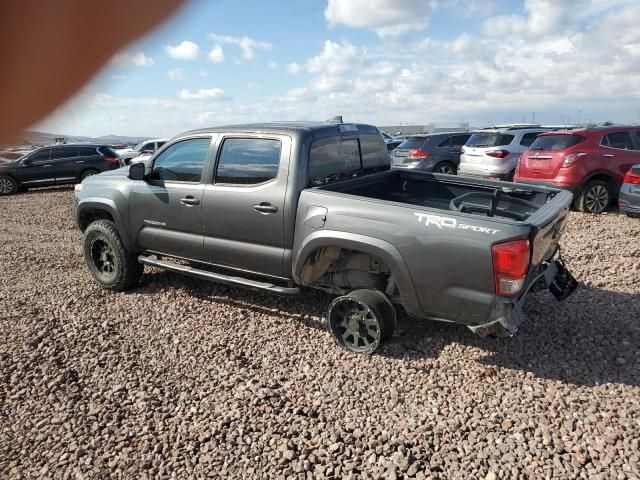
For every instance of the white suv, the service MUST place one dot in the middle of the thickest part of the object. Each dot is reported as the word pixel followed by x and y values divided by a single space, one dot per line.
pixel 494 152
pixel 126 154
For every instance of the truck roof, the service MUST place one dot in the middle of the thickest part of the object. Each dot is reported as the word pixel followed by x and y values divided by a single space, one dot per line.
pixel 317 129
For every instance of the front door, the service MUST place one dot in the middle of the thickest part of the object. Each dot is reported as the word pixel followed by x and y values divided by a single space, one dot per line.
pixel 166 208
pixel 243 209
pixel 36 169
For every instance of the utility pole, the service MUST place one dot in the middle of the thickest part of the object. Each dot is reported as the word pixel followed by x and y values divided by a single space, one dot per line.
pixel 533 117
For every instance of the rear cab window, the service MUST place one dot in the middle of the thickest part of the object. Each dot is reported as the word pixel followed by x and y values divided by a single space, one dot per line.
pixel 489 139
pixel 554 143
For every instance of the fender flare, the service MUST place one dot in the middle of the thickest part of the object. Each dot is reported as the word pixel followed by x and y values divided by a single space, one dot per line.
pixel 105 205
pixel 362 243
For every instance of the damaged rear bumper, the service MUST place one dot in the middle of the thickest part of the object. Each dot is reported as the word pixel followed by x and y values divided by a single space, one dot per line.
pixel 555 277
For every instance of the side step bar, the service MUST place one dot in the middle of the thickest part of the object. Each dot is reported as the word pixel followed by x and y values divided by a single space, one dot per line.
pixel 218 277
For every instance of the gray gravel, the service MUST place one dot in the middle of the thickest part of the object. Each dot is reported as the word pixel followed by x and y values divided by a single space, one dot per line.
pixel 185 379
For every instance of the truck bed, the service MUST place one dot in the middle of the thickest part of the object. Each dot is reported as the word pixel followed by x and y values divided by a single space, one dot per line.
pixel 456 194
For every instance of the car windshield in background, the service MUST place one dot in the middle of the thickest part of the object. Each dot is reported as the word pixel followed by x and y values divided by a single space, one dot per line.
pixel 411 143
pixel 552 143
pixel 489 140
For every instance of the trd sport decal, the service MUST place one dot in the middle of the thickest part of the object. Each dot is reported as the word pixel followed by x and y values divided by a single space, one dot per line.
pixel 448 222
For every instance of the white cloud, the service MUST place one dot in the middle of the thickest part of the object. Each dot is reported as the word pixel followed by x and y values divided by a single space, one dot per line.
pixel 187 50
pixel 126 59
pixel 543 17
pixel 215 94
pixel 176 74
pixel 248 46
pixel 273 65
pixel 335 59
pixel 388 18
pixel 216 55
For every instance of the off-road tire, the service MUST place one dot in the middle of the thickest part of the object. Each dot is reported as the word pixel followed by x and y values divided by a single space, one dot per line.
pixel 110 263
pixel 374 307
pixel 8 186
pixel 590 198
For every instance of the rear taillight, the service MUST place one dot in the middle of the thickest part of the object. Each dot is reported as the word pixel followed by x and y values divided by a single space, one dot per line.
pixel 112 160
pixel 498 153
pixel 572 158
pixel 417 154
pixel 510 265
pixel 632 177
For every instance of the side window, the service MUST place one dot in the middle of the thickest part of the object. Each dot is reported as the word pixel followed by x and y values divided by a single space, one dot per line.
pixel 636 137
pixel 460 140
pixel 182 161
pixel 621 140
pixel 64 152
pixel 528 138
pixel 160 144
pixel 42 156
pixel 445 143
pixel 87 151
pixel 148 146
pixel 248 161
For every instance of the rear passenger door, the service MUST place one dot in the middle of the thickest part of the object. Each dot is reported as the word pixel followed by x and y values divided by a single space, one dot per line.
pixel 64 164
pixel 619 154
pixel 243 207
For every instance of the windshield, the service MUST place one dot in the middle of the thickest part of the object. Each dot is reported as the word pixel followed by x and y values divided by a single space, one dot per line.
pixel 489 140
pixel 139 146
pixel 553 143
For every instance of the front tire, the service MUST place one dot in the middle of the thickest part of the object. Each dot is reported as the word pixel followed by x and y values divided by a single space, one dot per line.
pixel 361 320
pixel 8 186
pixel 595 197
pixel 109 262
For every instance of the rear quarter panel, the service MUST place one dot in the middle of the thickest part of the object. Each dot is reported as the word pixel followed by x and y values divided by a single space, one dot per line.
pixel 447 256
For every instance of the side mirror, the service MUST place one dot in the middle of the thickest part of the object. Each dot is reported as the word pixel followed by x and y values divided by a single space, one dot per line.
pixel 136 171
pixel 27 161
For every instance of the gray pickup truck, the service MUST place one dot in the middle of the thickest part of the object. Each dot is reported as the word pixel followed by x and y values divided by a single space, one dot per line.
pixel 280 206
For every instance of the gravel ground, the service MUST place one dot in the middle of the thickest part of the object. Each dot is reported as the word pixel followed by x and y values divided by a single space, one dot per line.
pixel 184 379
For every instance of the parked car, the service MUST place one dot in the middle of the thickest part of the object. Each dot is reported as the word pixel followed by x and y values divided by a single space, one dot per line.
pixel 629 196
pixel 434 152
pixel 589 162
pixel 127 154
pixel 494 153
pixel 277 207
pixel 393 143
pixel 56 165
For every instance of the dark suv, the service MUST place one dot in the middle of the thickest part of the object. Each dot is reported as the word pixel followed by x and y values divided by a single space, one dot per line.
pixel 56 165
pixel 434 152
pixel 590 162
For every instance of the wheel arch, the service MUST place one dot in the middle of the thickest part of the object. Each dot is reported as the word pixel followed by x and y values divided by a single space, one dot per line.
pixel 90 210
pixel 382 249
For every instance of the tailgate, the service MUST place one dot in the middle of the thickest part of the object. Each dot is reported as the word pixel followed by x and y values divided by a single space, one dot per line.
pixel 547 227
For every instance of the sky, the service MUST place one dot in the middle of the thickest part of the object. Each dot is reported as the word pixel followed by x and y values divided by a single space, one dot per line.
pixel 384 62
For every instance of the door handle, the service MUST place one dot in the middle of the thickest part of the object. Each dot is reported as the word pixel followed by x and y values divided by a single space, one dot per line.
pixel 46 166
pixel 80 161
pixel 189 201
pixel 265 207
pixel 608 155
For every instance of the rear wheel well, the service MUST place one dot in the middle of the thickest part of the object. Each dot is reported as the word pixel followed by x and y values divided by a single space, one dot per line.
pixel 87 217
pixel 339 270
pixel 603 177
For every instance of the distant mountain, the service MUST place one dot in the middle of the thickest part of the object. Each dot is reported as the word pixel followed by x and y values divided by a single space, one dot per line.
pixel 31 137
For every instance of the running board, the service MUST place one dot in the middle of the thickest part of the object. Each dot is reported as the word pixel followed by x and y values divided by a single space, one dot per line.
pixel 218 277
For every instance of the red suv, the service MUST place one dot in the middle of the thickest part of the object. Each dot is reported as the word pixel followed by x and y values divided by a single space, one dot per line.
pixel 590 162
